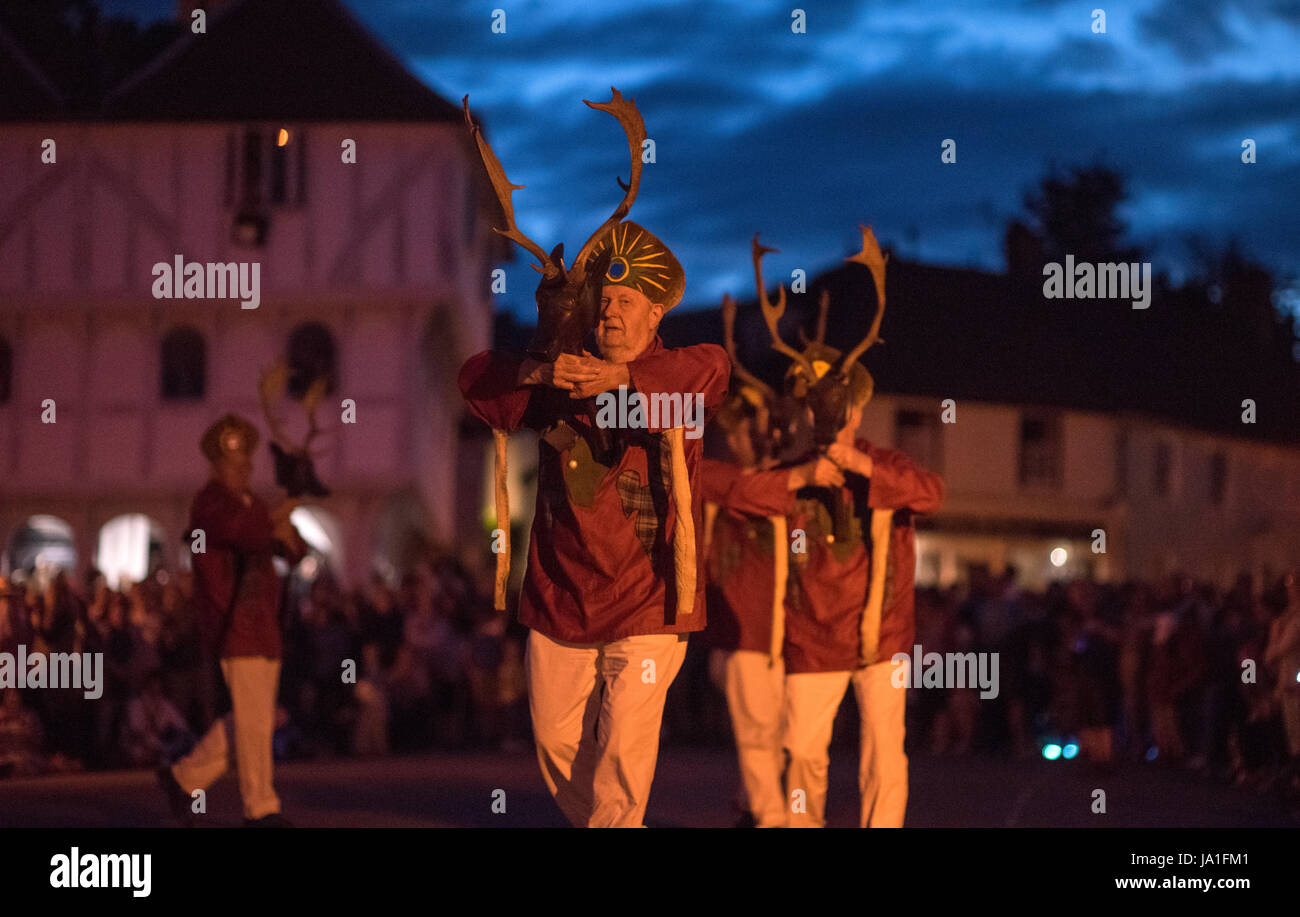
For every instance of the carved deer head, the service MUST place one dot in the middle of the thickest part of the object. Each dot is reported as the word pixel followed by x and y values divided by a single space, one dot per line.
pixel 821 375
pixel 294 470
pixel 568 299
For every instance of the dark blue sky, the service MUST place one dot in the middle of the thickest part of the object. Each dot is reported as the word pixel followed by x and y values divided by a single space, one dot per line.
pixel 805 136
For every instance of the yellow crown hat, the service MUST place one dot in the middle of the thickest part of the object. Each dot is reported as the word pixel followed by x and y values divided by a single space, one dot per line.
pixel 640 261
pixel 823 358
pixel 231 434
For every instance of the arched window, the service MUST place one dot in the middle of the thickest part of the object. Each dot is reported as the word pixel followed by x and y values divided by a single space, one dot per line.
pixel 310 357
pixel 6 371
pixel 130 548
pixel 42 543
pixel 184 364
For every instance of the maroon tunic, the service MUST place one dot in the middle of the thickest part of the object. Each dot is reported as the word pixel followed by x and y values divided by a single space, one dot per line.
pixel 741 559
pixel 235 584
pixel 829 583
pixel 600 559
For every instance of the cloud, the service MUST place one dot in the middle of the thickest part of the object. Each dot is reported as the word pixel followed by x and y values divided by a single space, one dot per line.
pixel 804 136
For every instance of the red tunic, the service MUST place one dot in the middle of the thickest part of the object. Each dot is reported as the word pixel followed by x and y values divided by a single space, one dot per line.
pixel 741 560
pixel 235 584
pixel 600 559
pixel 828 584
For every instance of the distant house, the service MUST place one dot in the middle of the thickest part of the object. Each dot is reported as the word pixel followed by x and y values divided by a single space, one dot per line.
pixel 1071 418
pixel 227 148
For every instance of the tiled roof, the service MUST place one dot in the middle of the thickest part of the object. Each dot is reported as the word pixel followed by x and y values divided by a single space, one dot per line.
pixel 306 60
pixel 969 334
pixel 25 92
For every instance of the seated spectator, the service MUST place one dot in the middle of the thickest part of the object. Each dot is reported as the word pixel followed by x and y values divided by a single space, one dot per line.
pixel 156 733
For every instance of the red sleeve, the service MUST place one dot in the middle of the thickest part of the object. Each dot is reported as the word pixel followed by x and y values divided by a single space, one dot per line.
pixel 897 482
pixel 228 523
pixel 489 383
pixel 763 493
pixel 701 369
pixel 716 479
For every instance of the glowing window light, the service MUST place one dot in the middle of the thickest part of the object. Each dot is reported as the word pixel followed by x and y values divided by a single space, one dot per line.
pixel 1052 751
pixel 123 553
pixel 312 532
pixel 1058 557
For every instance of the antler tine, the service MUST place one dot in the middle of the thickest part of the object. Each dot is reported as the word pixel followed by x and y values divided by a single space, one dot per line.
pixel 729 340
pixel 870 256
pixel 270 387
pixel 823 306
pixel 504 189
pixel 311 400
pixel 626 112
pixel 772 314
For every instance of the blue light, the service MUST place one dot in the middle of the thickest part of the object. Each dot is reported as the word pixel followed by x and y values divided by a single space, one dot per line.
pixel 1152 752
pixel 1069 751
pixel 1051 752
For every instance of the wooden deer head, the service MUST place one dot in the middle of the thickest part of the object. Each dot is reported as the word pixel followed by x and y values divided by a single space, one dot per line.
pixel 294 470
pixel 568 299
pixel 821 375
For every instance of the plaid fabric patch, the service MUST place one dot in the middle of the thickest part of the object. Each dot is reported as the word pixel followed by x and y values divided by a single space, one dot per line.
pixel 639 498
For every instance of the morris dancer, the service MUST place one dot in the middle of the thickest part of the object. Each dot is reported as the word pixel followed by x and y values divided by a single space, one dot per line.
pixel 599 593
pixel 849 605
pixel 746 544
pixel 238 593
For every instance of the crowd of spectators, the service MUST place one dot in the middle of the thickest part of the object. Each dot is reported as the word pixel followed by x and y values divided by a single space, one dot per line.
pixel 427 664
pixel 1173 673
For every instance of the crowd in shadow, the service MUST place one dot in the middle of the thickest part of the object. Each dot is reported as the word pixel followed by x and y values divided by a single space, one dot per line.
pixel 1172 673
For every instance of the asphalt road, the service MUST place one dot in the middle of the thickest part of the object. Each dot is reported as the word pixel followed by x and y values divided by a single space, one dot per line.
pixel 693 788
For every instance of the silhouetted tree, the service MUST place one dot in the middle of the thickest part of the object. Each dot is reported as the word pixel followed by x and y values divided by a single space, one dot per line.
pixel 1075 212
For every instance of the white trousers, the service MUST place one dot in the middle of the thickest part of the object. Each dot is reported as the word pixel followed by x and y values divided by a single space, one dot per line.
pixel 811 701
pixel 597 710
pixel 253 682
pixel 755 693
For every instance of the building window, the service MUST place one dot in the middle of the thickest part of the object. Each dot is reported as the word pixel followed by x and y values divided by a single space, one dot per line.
pixel 920 435
pixel 311 357
pixel 1218 478
pixel 1040 451
pixel 266 167
pixel 6 371
pixel 184 364
pixel 1163 471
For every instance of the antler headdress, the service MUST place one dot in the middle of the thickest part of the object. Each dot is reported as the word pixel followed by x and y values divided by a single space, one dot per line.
pixel 568 302
pixel 294 470
pixel 829 381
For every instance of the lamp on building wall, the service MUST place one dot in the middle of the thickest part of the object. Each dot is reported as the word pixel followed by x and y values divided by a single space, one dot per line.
pixel 250 228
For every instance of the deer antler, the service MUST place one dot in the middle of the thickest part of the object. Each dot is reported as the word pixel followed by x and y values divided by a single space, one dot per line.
pixel 823 306
pixel 310 401
pixel 873 259
pixel 626 112
pixel 270 388
pixel 504 189
pixel 729 341
pixel 772 314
